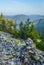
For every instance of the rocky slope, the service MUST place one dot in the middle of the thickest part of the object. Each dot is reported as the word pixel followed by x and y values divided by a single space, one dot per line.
pixel 19 52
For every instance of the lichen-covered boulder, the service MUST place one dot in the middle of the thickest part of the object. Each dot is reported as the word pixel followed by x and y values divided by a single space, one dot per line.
pixel 18 51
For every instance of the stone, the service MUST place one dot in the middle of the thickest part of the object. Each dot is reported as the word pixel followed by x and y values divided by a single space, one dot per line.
pixel 18 51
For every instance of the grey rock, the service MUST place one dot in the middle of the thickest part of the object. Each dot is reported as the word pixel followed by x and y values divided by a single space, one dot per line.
pixel 18 51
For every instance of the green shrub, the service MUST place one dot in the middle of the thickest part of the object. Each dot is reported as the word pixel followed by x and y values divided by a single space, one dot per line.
pixel 25 31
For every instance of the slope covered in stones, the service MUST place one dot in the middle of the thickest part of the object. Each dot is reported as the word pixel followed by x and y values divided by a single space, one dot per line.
pixel 18 51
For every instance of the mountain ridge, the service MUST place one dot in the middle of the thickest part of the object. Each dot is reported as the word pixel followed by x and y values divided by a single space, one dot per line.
pixel 25 17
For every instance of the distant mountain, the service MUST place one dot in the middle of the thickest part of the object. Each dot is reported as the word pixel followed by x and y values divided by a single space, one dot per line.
pixel 18 18
pixel 39 26
pixel 24 18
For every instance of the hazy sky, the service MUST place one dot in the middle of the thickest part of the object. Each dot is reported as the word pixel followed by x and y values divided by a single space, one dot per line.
pixel 29 7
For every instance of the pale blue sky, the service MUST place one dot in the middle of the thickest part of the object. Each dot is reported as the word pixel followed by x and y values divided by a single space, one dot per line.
pixel 28 7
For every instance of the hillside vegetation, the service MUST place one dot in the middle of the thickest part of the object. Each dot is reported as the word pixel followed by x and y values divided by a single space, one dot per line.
pixel 25 31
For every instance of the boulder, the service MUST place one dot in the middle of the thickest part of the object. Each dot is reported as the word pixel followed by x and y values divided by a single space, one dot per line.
pixel 18 51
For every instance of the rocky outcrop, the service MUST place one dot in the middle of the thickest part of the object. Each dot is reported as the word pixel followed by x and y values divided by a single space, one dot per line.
pixel 19 52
